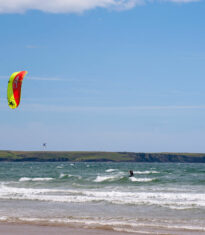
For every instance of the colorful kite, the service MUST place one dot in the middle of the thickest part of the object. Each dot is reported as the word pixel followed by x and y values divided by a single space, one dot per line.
pixel 14 89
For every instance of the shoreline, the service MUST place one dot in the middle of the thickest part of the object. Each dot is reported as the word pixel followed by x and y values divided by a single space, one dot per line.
pixel 39 229
pixel 9 228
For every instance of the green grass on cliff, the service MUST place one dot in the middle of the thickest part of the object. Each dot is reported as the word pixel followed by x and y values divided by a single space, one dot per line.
pixel 100 156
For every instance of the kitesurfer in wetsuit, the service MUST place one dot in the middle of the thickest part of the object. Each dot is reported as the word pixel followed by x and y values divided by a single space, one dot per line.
pixel 11 103
pixel 131 173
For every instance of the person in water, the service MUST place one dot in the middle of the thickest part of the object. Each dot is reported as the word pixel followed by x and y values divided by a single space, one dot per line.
pixel 131 173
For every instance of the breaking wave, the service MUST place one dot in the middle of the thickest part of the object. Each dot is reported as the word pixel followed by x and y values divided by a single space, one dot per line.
pixel 133 179
pixel 146 172
pixel 110 170
pixel 108 178
pixel 23 179
pixel 176 201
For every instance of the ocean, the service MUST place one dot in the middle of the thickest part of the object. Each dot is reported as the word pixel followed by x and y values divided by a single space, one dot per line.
pixel 161 198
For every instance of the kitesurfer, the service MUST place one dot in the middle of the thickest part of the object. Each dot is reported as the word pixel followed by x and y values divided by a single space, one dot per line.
pixel 11 103
pixel 44 145
pixel 131 173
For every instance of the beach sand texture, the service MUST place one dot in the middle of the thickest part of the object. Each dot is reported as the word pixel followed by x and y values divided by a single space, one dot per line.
pixel 27 229
pixel 22 229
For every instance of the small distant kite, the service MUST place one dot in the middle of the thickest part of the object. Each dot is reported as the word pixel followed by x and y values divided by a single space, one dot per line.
pixel 14 89
pixel 44 145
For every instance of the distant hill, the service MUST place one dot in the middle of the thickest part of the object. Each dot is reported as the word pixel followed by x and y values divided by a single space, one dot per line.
pixel 44 156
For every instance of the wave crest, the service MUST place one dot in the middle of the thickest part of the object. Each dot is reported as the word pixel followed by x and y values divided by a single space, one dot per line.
pixel 23 179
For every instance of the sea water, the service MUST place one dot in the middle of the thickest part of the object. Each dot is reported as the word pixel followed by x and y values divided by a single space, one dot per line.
pixel 161 198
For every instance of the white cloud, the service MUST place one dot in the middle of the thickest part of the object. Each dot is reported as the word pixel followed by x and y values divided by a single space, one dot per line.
pixel 69 6
pixel 62 6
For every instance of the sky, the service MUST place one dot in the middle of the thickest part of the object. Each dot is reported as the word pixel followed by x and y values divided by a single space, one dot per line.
pixel 104 75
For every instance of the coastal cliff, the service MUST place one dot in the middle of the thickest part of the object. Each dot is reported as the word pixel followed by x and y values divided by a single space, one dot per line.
pixel 43 156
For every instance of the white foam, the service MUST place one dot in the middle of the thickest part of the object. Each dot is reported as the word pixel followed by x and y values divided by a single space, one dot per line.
pixel 146 172
pixel 133 179
pixel 134 231
pixel 110 170
pixel 108 178
pixel 103 178
pixel 3 218
pixel 172 200
pixel 22 179
pixel 62 175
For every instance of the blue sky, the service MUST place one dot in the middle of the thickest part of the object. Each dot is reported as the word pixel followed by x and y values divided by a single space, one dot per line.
pixel 104 75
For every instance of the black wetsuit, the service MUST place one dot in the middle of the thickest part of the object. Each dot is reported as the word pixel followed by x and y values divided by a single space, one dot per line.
pixel 131 174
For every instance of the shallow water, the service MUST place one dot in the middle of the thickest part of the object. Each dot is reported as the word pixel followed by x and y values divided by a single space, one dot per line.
pixel 160 197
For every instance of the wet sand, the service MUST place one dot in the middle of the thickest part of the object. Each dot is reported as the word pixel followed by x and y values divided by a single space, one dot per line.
pixel 24 229
pixel 31 229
